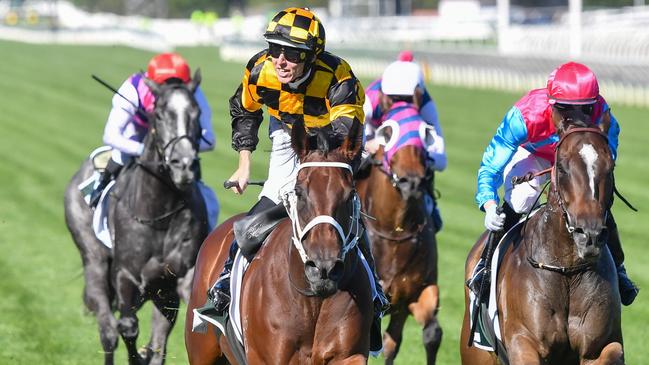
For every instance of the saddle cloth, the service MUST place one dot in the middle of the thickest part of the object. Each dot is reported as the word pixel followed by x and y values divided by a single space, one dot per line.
pixel 100 217
pixel 487 335
pixel 99 158
pixel 202 316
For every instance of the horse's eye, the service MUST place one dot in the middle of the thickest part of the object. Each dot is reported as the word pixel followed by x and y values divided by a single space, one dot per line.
pixel 299 192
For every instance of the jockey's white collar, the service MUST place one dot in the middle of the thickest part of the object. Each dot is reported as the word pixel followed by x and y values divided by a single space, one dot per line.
pixel 300 80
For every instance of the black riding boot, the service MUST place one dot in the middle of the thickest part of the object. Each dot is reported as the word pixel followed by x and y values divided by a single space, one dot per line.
pixel 511 218
pixel 628 290
pixel 110 172
pixel 381 303
pixel 220 291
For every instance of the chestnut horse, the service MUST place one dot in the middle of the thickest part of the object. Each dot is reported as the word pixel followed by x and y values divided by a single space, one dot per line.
pixel 403 238
pixel 306 296
pixel 557 291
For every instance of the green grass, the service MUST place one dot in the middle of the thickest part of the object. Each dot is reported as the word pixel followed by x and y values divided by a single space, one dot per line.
pixel 52 115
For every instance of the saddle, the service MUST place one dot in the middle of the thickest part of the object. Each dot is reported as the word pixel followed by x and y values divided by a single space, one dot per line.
pixel 251 231
pixel 100 157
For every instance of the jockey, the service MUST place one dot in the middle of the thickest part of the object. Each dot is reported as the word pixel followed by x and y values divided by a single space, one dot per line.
pixel 376 113
pixel 525 142
pixel 127 122
pixel 297 80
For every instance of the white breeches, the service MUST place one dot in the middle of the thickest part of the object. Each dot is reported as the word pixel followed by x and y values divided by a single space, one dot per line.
pixel 522 196
pixel 282 168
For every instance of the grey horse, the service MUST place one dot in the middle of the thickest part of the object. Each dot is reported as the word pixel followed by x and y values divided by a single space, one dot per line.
pixel 157 220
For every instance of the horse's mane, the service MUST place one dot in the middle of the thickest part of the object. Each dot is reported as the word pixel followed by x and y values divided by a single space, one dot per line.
pixel 574 119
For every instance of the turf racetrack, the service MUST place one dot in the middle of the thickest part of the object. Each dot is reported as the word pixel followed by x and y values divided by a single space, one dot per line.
pixel 52 115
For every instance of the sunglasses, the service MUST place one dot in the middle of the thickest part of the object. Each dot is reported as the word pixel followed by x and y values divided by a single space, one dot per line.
pixel 291 54
pixel 586 109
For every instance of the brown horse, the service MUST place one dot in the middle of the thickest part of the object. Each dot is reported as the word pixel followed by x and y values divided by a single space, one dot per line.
pixel 306 296
pixel 556 290
pixel 403 242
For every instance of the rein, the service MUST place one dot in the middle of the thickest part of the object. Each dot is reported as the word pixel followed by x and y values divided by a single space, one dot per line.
pixel 403 237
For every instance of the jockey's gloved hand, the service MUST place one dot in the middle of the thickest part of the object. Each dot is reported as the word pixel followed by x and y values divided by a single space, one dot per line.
pixel 492 220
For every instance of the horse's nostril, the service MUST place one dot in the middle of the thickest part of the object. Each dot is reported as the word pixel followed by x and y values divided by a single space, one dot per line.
pixel 336 272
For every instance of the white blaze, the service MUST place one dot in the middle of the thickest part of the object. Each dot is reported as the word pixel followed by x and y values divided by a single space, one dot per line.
pixel 179 103
pixel 589 155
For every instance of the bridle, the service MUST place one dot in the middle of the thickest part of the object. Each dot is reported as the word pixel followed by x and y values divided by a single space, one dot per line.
pixel 159 167
pixel 570 227
pixel 350 240
pixel 555 184
pixel 384 164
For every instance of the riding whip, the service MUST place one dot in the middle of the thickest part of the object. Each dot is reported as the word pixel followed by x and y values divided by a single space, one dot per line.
pixel 231 184
pixel 140 112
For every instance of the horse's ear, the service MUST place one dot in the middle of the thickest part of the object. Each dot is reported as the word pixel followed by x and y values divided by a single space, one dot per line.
pixel 195 81
pixel 154 86
pixel 606 122
pixel 352 143
pixel 299 140
pixel 559 121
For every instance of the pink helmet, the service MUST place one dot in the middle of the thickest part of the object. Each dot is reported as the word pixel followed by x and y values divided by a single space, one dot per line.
pixel 572 83
pixel 405 56
pixel 166 66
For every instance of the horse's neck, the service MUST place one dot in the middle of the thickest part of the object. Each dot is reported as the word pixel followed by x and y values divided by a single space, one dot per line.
pixel 553 245
pixel 392 211
pixel 149 184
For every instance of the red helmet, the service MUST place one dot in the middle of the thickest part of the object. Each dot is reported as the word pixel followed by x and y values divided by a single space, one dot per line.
pixel 405 56
pixel 166 66
pixel 572 83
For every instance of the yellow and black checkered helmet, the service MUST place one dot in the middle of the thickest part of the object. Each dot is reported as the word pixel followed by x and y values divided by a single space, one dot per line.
pixel 297 27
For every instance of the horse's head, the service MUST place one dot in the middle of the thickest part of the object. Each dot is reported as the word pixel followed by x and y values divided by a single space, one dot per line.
pixel 404 155
pixel 325 208
pixel 175 129
pixel 583 181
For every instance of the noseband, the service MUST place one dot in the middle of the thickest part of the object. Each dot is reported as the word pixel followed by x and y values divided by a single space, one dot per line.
pixel 350 240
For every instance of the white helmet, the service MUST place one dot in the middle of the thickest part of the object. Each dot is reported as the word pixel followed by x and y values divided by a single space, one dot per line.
pixel 400 78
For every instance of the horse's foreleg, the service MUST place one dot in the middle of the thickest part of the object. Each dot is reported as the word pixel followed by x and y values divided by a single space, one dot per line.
pixel 129 302
pixel 523 351
pixel 164 316
pixel 612 354
pixel 425 312
pixel 394 334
